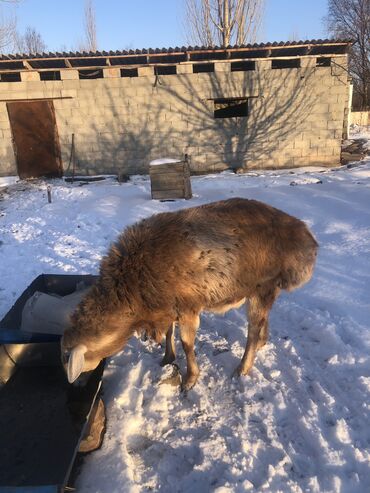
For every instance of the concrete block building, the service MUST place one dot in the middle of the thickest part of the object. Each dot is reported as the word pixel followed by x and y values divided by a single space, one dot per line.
pixel 273 105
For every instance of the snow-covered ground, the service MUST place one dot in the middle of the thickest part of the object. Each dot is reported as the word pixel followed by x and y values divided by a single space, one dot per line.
pixel 301 421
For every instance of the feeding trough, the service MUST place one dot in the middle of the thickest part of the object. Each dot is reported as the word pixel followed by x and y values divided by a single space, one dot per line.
pixel 44 420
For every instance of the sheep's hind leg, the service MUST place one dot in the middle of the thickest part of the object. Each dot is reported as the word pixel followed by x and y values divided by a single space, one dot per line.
pixel 263 335
pixel 188 329
pixel 258 313
pixel 251 348
pixel 170 354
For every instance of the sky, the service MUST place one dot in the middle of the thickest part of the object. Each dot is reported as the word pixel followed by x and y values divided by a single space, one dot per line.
pixel 123 24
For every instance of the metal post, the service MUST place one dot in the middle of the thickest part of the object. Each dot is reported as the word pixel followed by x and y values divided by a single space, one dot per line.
pixel 48 188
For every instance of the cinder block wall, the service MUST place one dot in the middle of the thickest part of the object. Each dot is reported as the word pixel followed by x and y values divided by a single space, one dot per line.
pixel 296 117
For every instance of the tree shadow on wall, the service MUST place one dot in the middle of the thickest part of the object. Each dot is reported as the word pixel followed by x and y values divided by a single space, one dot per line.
pixel 167 116
pixel 123 131
pixel 279 102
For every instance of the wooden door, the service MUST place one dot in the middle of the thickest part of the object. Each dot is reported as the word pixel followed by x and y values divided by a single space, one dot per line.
pixel 35 138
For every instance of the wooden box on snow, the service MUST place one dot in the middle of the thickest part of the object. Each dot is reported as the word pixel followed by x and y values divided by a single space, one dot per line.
pixel 170 179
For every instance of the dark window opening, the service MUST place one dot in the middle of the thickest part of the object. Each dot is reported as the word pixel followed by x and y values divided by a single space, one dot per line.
pixel 293 63
pixel 91 74
pixel 290 51
pixel 323 62
pixel 51 64
pixel 250 54
pixel 169 58
pixel 129 60
pixel 87 62
pixel 165 70
pixel 213 55
pixel 129 72
pixel 328 49
pixel 230 107
pixel 11 66
pixel 10 77
pixel 50 75
pixel 243 66
pixel 117 60
pixel 203 67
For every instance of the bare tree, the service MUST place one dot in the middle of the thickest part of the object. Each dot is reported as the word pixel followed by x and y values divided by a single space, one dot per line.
pixel 8 25
pixel 294 35
pixel 223 22
pixel 351 19
pixel 30 42
pixel 90 27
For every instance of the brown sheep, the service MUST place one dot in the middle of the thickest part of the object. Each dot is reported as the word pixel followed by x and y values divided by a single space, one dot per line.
pixel 170 267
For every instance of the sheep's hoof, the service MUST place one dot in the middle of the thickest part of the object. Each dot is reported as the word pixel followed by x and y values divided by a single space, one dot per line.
pixel 189 382
pixel 171 376
pixel 241 371
pixel 261 343
pixel 167 360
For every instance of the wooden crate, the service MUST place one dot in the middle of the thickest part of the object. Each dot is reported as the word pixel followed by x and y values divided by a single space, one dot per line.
pixel 170 179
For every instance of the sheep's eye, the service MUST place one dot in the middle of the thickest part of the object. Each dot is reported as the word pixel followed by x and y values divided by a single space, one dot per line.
pixel 65 356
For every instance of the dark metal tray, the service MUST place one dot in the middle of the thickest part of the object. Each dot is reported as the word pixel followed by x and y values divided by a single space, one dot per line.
pixel 42 417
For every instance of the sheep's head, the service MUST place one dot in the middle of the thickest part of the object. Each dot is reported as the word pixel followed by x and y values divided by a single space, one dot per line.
pixel 90 339
pixel 79 355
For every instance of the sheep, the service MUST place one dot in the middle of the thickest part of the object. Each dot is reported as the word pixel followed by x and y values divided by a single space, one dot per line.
pixel 172 266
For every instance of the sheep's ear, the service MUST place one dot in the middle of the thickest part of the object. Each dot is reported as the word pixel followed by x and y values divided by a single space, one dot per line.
pixel 76 362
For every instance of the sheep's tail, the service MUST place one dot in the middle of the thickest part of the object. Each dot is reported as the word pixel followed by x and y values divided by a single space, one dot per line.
pixel 299 266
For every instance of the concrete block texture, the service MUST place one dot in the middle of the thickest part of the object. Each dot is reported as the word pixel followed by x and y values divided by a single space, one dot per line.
pixel 222 67
pixel 145 71
pixel 308 62
pixel 70 84
pixel 185 68
pixel 69 74
pixel 111 72
pixel 295 117
pixel 32 75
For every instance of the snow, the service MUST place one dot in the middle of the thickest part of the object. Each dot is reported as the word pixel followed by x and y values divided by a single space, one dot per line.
pixel 358 132
pixel 165 160
pixel 300 421
pixel 7 180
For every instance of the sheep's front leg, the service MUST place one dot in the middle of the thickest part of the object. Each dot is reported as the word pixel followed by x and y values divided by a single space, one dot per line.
pixel 188 328
pixel 251 348
pixel 258 312
pixel 263 335
pixel 170 354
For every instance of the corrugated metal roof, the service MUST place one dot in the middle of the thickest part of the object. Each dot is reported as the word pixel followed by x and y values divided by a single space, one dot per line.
pixel 170 56
pixel 177 49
